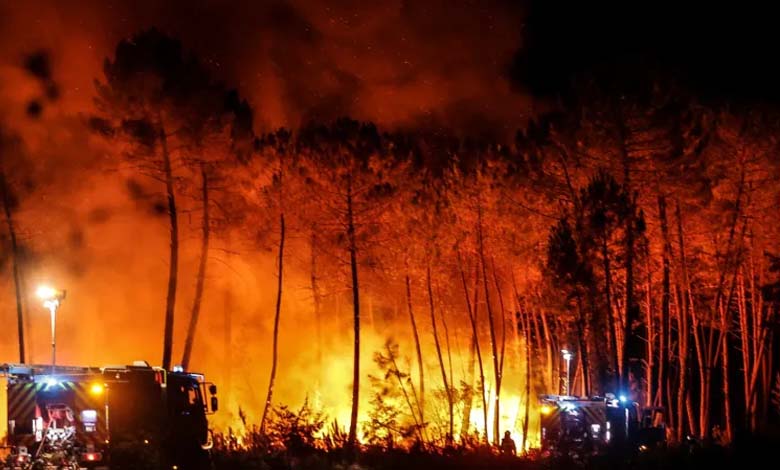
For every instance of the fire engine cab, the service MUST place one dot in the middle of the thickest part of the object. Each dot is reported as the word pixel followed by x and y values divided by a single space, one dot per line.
pixel 107 417
pixel 576 424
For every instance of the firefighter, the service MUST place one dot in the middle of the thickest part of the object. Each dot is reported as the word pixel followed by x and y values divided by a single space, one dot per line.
pixel 508 445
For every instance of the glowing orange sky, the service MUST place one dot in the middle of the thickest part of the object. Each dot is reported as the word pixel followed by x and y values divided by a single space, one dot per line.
pixel 393 62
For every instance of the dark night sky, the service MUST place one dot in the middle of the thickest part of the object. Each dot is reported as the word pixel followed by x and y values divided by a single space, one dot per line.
pixel 722 50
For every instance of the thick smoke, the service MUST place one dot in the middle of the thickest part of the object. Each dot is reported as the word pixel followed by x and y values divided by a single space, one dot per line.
pixel 93 226
pixel 396 63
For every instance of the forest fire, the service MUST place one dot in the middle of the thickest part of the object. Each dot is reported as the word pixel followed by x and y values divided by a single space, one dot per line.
pixel 424 229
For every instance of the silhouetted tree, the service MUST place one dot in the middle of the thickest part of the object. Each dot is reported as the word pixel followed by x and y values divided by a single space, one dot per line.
pixel 158 102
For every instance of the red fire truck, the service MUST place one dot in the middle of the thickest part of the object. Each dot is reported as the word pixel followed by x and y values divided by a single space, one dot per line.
pixel 575 425
pixel 105 417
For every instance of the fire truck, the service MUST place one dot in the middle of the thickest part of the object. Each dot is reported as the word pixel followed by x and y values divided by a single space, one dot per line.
pixel 572 424
pixel 88 417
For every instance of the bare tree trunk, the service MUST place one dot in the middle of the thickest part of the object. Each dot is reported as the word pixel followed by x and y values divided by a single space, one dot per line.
pixel 491 323
pixel 747 350
pixel 447 345
pixel 682 356
pixel 527 408
pixel 650 330
pixel 631 309
pixel 420 367
pixel 356 311
pixel 316 296
pixel 277 314
pixel 704 376
pixel 6 195
pixel 447 388
pixel 610 315
pixel 173 269
pixel 718 306
pixel 683 402
pixel 725 368
pixel 632 313
pixel 537 338
pixel 663 348
pixel 503 318
pixel 468 398
pixel 548 344
pixel 201 279
pixel 584 360
pixel 502 353
pixel 475 333
pixel 691 413
pixel 756 347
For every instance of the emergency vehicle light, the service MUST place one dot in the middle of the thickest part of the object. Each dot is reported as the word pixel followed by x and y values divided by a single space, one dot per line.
pixel 623 399
pixel 546 409
pixel 96 389
pixel 92 456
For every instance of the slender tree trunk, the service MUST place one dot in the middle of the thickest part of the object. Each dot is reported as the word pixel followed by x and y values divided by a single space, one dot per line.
pixel 747 349
pixel 201 279
pixel 536 339
pixel 663 347
pixel 502 352
pixel 356 311
pixel 584 354
pixel 682 358
pixel 491 323
pixel 468 398
pixel 6 195
pixel 650 330
pixel 691 413
pixel 316 296
pixel 609 314
pixel 173 268
pixel 527 408
pixel 277 315
pixel 447 388
pixel 682 328
pixel 449 351
pixel 725 368
pixel 475 334
pixel 548 345
pixel 632 313
pixel 704 378
pixel 420 367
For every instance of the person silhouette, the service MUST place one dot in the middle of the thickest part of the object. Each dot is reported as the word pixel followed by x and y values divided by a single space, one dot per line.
pixel 508 446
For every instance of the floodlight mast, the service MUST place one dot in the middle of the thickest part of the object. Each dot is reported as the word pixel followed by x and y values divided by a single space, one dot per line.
pixel 565 383
pixel 51 298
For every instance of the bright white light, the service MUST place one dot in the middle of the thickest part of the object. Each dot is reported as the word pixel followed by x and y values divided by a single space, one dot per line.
pixel 178 369
pixel 623 399
pixel 52 382
pixel 45 292
pixel 566 355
